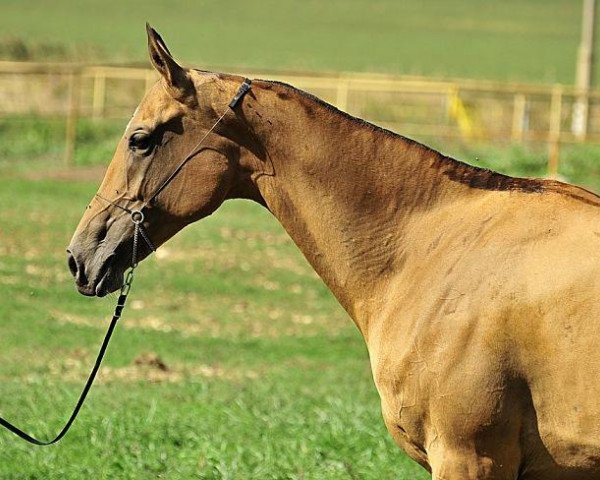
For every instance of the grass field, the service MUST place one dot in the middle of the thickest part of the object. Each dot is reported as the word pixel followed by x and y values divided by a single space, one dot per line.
pixel 233 360
pixel 530 40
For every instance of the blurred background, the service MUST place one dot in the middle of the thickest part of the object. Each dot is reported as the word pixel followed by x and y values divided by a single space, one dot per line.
pixel 492 81
pixel 234 361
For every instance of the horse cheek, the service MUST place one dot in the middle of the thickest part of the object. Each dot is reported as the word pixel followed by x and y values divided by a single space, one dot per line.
pixel 204 193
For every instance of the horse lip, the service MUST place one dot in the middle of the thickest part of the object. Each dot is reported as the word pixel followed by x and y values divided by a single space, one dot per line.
pixel 98 287
pixel 87 290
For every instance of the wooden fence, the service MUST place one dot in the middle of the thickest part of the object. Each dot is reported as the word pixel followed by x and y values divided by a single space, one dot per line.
pixel 472 111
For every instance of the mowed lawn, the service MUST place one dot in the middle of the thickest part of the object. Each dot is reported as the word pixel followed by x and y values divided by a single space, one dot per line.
pixel 524 40
pixel 232 362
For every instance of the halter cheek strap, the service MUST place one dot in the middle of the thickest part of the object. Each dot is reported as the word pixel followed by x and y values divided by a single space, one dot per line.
pixel 239 96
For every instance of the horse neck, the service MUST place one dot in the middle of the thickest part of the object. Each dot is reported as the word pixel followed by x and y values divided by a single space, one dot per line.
pixel 345 191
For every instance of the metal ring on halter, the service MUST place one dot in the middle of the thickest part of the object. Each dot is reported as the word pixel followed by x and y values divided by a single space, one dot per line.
pixel 137 217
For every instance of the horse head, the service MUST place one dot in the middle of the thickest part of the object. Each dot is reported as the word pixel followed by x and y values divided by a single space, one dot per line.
pixel 181 156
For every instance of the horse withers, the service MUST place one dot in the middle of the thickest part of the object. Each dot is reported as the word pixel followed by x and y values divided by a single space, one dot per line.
pixel 476 293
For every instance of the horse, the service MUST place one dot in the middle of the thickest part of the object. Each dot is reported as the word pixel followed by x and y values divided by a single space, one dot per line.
pixel 476 292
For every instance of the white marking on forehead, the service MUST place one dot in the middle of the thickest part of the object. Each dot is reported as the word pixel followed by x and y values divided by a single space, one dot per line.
pixel 132 117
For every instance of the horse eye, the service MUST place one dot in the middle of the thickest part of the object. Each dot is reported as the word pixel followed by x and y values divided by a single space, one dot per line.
pixel 140 141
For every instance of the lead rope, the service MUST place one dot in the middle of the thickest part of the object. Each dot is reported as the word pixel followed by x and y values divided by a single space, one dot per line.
pixel 137 218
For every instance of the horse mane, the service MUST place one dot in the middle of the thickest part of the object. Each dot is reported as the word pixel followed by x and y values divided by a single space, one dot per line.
pixel 455 170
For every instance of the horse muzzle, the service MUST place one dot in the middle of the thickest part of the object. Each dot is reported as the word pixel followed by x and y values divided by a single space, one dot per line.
pixel 97 276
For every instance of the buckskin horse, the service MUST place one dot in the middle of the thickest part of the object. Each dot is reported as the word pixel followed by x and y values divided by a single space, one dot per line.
pixel 476 293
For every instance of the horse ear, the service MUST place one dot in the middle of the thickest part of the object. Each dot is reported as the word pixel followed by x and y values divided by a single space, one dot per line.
pixel 180 83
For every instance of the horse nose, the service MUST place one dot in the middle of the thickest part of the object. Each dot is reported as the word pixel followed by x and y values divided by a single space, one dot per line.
pixel 76 268
pixel 73 268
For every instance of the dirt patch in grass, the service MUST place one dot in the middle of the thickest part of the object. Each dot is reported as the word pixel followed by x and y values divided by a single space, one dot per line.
pixel 146 367
pixel 248 322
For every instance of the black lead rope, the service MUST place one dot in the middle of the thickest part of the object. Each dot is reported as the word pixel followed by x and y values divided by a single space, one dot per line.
pixel 86 388
pixel 137 218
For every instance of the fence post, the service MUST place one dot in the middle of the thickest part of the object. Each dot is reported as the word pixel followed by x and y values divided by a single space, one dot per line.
pixel 518 124
pixel 99 97
pixel 342 94
pixel 72 116
pixel 150 79
pixel 585 62
pixel 554 131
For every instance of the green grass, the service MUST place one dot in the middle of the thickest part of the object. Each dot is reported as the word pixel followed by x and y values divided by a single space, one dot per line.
pixel 28 143
pixel 528 40
pixel 267 377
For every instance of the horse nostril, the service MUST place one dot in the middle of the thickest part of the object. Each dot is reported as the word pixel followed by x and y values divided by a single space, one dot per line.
pixel 77 269
pixel 72 264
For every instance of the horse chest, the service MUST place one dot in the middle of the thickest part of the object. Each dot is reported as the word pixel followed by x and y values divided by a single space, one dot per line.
pixel 404 389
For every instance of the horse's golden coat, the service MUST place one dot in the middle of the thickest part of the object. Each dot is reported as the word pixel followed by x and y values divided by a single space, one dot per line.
pixel 476 293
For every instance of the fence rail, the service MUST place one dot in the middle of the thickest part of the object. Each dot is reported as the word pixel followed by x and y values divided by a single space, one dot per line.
pixel 472 111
